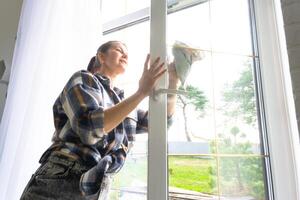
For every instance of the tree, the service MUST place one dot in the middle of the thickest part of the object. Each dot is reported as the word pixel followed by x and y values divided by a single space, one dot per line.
pixel 240 97
pixel 240 104
pixel 196 98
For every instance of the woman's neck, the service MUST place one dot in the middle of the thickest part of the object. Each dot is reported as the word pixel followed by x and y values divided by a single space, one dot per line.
pixel 110 76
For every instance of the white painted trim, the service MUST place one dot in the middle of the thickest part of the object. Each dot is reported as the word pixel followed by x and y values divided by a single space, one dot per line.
pixel 279 121
pixel 144 15
pixel 127 19
pixel 157 139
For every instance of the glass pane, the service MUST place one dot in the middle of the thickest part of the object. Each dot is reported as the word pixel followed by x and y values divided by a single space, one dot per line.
pixel 194 119
pixel 110 11
pixel 190 26
pixel 192 122
pixel 217 117
pixel 242 178
pixel 235 104
pixel 192 169
pixel 192 177
pixel 131 181
pixel 217 121
pixel 136 39
pixel 230 25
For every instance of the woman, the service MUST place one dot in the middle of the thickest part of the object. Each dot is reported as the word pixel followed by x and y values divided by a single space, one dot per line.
pixel 92 127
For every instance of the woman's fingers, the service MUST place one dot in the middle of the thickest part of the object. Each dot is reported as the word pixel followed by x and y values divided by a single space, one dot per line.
pixel 158 68
pixel 158 75
pixel 152 72
pixel 155 63
pixel 155 69
pixel 147 62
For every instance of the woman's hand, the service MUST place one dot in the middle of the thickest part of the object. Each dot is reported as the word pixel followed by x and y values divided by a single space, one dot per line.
pixel 150 75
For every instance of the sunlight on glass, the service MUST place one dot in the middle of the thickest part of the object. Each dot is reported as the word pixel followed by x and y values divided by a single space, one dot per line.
pixel 214 143
pixel 218 117
pixel 131 181
pixel 191 26
pixel 112 9
pixel 231 26
pixel 242 178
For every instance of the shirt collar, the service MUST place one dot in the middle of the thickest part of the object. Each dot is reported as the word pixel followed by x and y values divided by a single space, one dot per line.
pixel 107 84
pixel 104 80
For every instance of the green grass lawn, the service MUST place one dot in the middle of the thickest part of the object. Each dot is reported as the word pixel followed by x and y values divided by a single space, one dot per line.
pixel 191 173
pixel 195 173
pixel 185 172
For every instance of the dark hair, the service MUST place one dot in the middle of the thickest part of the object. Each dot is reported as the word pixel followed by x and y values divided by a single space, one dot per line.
pixel 91 64
pixel 94 62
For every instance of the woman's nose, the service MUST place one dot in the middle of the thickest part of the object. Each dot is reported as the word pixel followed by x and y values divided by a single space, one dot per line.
pixel 125 55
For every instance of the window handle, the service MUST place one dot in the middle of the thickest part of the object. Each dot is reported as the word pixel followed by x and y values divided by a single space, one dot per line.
pixel 160 91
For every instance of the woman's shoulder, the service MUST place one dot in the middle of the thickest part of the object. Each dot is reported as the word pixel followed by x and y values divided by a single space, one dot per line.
pixel 81 73
pixel 83 77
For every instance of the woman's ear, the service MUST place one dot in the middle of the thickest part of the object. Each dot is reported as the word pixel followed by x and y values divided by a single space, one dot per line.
pixel 96 61
pixel 101 58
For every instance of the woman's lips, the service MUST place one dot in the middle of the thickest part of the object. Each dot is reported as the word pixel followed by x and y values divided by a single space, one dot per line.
pixel 123 61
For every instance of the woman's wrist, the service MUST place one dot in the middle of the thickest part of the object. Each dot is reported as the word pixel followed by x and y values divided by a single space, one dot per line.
pixel 140 95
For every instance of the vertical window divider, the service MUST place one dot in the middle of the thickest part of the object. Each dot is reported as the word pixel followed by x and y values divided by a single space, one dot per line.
pixel 260 106
pixel 157 138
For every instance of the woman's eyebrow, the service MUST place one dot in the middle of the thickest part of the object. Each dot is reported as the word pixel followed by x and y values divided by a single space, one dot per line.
pixel 123 50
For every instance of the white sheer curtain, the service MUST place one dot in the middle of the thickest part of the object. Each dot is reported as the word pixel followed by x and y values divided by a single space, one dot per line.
pixel 55 39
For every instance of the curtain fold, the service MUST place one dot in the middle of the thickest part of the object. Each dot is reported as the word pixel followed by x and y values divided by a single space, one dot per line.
pixel 55 39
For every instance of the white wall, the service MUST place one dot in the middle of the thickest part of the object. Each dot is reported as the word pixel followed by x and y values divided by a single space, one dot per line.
pixel 9 19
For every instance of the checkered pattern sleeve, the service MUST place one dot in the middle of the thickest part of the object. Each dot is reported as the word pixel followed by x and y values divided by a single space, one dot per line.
pixel 83 104
pixel 142 123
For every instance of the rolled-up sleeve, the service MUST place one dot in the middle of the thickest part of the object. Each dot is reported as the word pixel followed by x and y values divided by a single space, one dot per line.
pixel 83 104
pixel 143 120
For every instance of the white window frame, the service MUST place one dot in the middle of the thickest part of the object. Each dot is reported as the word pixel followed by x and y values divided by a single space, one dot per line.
pixel 280 122
pixel 279 110
pixel 157 138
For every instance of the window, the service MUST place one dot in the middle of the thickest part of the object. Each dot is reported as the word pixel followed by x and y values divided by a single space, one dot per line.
pixel 218 143
pixel 215 147
pixel 131 181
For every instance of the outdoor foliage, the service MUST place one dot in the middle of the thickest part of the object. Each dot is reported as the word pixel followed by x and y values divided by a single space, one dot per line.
pixel 242 175
pixel 240 97
pixel 195 98
pixel 238 175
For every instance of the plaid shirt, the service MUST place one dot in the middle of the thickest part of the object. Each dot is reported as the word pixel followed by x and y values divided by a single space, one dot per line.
pixel 78 118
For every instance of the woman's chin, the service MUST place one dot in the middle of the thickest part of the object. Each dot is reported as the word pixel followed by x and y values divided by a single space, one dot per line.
pixel 121 71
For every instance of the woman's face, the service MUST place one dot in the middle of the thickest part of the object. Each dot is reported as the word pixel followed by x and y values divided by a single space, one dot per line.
pixel 115 59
